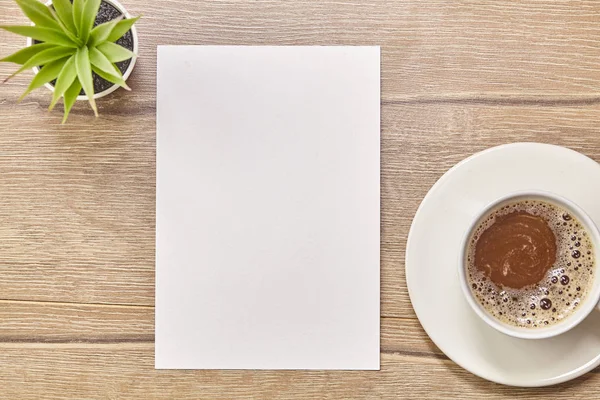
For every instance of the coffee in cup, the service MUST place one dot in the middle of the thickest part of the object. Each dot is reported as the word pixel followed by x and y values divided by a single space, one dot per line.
pixel 530 263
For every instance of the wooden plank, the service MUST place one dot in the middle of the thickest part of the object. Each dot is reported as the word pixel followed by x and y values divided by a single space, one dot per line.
pixel 77 201
pixel 39 322
pixel 87 351
pixel 77 209
pixel 428 47
pixel 125 370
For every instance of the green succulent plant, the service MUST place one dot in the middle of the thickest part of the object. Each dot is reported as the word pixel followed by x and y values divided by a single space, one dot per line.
pixel 70 49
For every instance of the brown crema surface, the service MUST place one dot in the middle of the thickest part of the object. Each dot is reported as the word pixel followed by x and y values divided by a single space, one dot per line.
pixel 530 263
pixel 517 250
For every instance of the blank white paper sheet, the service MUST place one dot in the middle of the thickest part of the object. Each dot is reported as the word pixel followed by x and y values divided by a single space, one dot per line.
pixel 267 207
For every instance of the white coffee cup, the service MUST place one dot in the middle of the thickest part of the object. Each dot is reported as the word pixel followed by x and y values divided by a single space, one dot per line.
pixel 584 309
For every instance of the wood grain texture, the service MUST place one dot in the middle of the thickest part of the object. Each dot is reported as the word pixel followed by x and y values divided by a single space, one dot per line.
pixel 91 351
pixel 77 201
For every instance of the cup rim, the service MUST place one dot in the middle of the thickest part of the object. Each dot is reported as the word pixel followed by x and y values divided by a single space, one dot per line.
pixel 532 333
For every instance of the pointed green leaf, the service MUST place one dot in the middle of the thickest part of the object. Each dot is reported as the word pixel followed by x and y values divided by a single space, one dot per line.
pixel 66 30
pixel 44 57
pixel 111 78
pixel 64 9
pixel 47 35
pixel 121 28
pixel 100 61
pixel 77 13
pixel 70 97
pixel 67 75
pixel 38 13
pixel 114 52
pixel 21 56
pixel 46 74
pixel 103 67
pixel 100 33
pixel 90 10
pixel 84 74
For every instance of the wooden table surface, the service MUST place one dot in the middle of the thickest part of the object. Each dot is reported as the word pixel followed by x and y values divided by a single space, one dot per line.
pixel 77 211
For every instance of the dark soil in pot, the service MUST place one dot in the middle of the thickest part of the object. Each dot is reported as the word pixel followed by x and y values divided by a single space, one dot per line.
pixel 106 13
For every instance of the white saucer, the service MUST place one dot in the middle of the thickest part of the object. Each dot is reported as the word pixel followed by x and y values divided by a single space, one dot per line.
pixel 432 252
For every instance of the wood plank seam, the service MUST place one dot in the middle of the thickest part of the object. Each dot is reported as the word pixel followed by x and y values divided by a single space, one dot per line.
pixel 74 303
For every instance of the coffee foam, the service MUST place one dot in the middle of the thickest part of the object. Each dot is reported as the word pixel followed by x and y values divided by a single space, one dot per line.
pixel 566 284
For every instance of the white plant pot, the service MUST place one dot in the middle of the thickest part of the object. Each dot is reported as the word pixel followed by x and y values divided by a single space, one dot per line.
pixel 111 89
